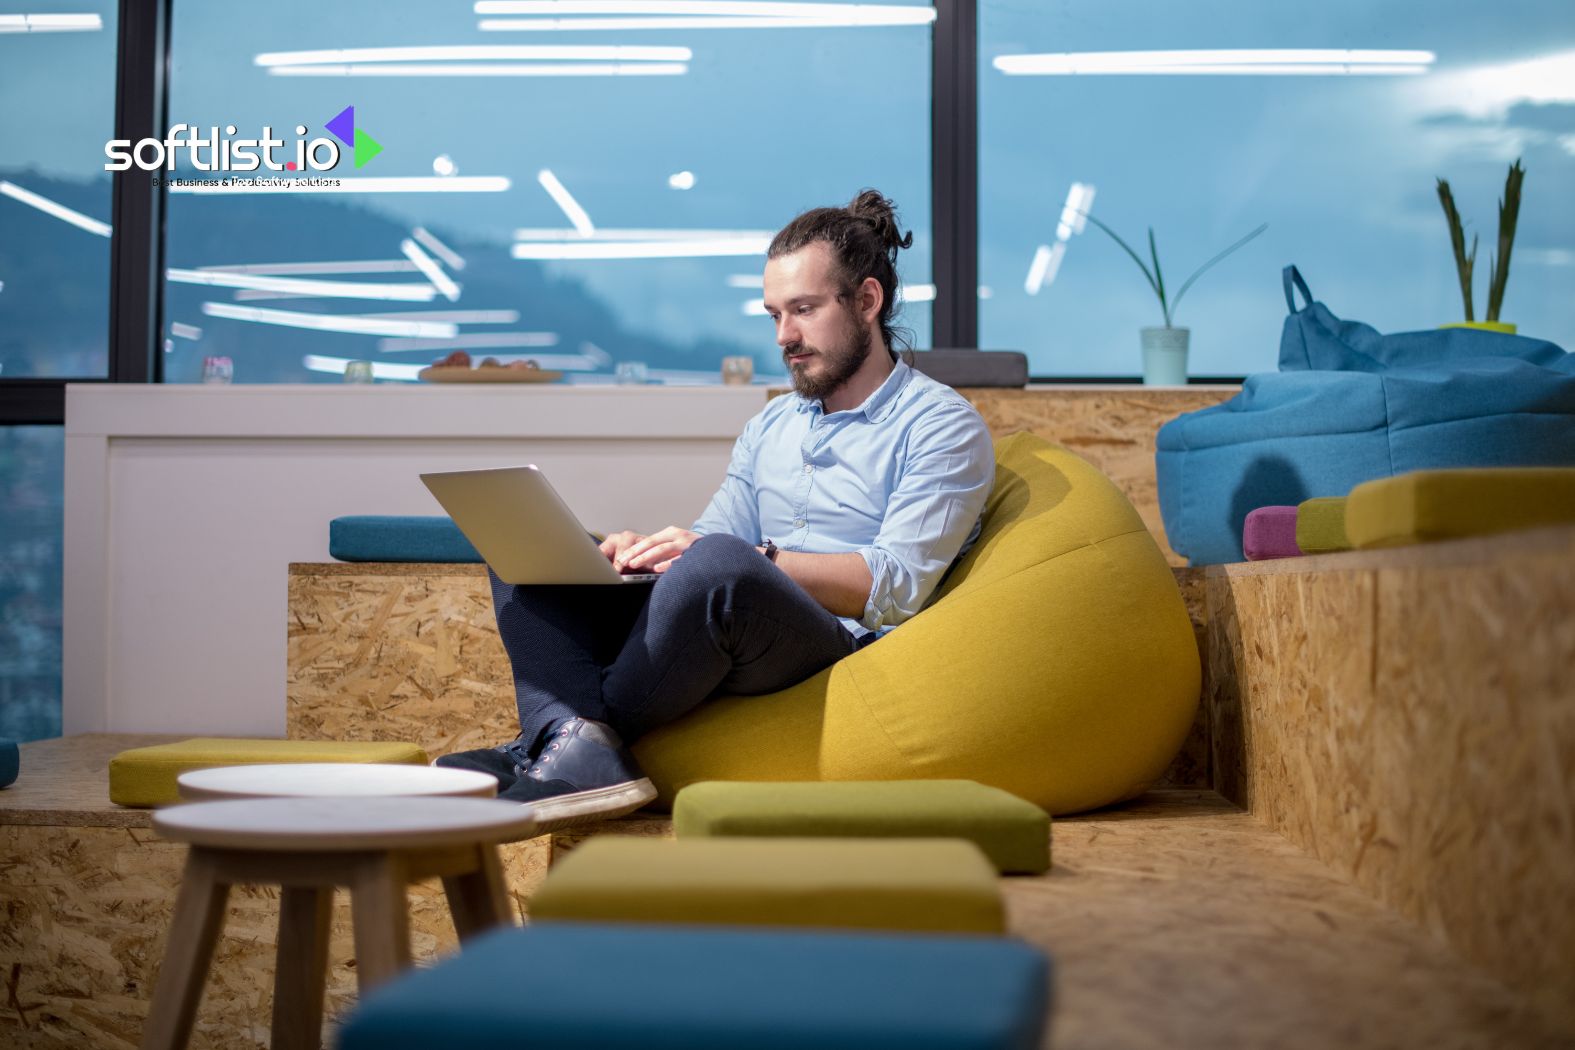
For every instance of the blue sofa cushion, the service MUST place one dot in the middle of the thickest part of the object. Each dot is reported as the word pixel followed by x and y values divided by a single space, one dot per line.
pixel 398 538
pixel 10 762
pixel 583 985
pixel 1349 405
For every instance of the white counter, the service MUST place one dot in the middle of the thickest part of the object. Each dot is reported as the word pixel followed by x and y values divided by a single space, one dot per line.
pixel 184 506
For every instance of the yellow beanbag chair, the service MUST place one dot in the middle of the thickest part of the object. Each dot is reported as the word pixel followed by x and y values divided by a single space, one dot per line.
pixel 1427 505
pixel 1056 661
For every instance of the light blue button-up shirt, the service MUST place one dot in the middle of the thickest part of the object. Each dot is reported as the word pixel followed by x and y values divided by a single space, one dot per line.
pixel 901 479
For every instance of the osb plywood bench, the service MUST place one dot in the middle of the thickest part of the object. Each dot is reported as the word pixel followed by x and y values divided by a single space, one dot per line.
pixel 88 890
pixel 1400 715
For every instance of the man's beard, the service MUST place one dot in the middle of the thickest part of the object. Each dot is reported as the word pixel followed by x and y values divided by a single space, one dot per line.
pixel 840 362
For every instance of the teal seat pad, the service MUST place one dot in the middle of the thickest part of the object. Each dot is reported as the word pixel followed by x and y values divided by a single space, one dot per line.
pixel 408 538
pixel 577 986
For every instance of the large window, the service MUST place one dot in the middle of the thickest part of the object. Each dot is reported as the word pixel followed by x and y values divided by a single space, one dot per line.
pixel 581 190
pixel 57 83
pixel 1338 157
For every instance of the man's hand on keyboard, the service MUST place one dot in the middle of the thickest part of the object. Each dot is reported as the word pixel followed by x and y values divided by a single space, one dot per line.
pixel 631 552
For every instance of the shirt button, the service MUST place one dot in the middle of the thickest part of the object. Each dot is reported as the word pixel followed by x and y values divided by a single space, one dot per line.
pixel 809 468
pixel 798 523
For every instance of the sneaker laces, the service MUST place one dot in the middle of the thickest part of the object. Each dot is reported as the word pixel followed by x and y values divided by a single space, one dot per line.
pixel 538 768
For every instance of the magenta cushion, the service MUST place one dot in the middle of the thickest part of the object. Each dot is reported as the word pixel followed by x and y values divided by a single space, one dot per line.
pixel 1270 532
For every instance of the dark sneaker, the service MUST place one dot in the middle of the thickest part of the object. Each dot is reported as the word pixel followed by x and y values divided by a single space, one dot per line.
pixel 508 762
pixel 582 774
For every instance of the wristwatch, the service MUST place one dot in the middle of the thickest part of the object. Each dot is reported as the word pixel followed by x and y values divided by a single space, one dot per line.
pixel 771 551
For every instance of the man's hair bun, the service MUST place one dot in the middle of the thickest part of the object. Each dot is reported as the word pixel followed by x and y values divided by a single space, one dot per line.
pixel 874 208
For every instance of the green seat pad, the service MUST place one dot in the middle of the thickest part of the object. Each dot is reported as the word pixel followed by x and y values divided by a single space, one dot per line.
pixel 146 776
pixel 1428 505
pixel 1320 525
pixel 934 885
pixel 1014 834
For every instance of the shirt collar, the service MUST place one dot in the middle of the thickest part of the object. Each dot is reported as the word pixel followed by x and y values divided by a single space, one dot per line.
pixel 879 404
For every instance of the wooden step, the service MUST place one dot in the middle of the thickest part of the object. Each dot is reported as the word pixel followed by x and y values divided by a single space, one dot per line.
pixel 1178 920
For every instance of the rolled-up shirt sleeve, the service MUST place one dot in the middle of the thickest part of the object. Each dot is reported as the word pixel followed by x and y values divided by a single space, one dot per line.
pixel 933 513
pixel 734 509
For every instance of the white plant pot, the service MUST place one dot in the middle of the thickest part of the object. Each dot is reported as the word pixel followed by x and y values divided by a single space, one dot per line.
pixel 1165 356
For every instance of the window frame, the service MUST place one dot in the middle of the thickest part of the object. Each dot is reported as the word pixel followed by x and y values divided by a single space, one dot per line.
pixel 138 208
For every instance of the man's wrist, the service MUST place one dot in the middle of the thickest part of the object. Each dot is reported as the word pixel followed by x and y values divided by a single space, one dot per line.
pixel 770 550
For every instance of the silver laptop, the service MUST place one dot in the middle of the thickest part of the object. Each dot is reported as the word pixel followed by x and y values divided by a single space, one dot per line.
pixel 522 527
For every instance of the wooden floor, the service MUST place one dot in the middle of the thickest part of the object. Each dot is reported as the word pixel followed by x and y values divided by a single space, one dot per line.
pixel 1181 921
pixel 1176 921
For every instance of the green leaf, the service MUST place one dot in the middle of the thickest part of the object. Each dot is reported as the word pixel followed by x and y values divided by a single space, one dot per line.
pixel 1200 270
pixel 1128 249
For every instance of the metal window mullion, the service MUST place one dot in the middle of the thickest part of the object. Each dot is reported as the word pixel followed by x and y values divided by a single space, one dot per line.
pixel 954 168
pixel 137 243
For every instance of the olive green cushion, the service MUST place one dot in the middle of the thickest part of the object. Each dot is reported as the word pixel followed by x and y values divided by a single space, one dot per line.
pixel 1056 661
pixel 1427 505
pixel 1320 525
pixel 145 776
pixel 938 885
pixel 1014 834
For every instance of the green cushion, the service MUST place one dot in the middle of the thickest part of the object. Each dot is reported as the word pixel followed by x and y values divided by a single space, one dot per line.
pixel 146 776
pixel 1428 505
pixel 936 885
pixel 1014 834
pixel 1320 525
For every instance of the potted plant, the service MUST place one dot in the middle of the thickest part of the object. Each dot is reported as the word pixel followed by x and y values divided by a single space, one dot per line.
pixel 1165 349
pixel 1498 266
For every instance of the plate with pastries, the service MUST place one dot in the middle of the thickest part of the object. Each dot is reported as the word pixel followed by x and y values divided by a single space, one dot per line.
pixel 457 368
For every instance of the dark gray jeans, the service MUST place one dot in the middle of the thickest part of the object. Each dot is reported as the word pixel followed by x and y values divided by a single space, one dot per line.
pixel 636 656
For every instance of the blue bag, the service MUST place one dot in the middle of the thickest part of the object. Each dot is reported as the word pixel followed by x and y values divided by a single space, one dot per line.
pixel 1350 404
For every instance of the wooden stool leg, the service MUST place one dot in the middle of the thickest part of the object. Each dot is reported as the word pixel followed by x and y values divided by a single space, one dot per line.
pixel 382 920
pixel 301 969
pixel 479 900
pixel 194 930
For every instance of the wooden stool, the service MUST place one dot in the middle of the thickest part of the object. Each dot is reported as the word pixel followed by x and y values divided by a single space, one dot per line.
pixel 332 780
pixel 308 846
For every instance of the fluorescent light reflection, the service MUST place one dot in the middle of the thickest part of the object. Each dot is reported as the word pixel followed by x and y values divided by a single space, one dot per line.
pixel 49 207
pixel 540 69
pixel 684 249
pixel 52 23
pixel 434 273
pixel 745 280
pixel 454 316
pixel 418 184
pixel 1270 62
pixel 438 248
pixel 473 341
pixel 351 323
pixel 565 200
pixel 477 53
pixel 341 266
pixel 304 286
pixel 692 14
pixel 185 331
pixel 1073 221
pixel 607 234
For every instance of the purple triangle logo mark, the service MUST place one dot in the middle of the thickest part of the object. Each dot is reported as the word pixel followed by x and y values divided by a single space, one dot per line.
pixel 343 126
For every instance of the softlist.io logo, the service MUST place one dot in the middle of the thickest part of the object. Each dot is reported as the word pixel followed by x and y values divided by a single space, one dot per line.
pixel 218 152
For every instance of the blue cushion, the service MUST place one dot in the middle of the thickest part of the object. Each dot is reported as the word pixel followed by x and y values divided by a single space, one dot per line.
pixel 1349 405
pixel 398 538
pixel 583 985
pixel 10 762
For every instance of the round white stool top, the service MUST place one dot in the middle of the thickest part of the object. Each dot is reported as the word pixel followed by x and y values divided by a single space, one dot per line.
pixel 332 780
pixel 344 824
